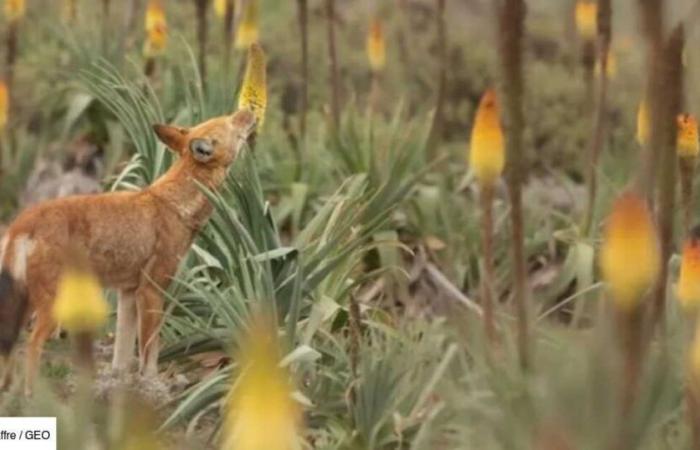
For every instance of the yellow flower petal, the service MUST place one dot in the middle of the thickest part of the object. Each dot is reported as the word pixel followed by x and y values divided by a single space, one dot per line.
pixel 247 32
pixel 587 19
pixel 4 106
pixel 261 413
pixel 643 123
pixel 80 305
pixel 156 29
pixel 688 288
pixel 15 10
pixel 629 257
pixel 376 46
pixel 487 151
pixel 687 140
pixel 253 94
pixel 220 8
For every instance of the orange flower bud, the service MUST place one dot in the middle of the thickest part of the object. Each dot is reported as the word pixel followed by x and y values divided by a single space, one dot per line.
pixel 376 46
pixel 687 140
pixel 688 288
pixel 587 19
pixel 4 106
pixel 643 123
pixel 487 150
pixel 629 257
pixel 15 10
pixel 156 29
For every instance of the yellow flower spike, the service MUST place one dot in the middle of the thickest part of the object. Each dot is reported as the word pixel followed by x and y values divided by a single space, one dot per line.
pixel 643 123
pixel 253 94
pixel 4 106
pixel 587 19
pixel 248 32
pixel 220 8
pixel 376 46
pixel 156 29
pixel 629 257
pixel 15 10
pixel 687 138
pixel 487 151
pixel 80 306
pixel 261 413
pixel 688 288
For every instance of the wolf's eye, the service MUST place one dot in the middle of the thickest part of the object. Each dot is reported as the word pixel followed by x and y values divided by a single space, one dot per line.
pixel 201 149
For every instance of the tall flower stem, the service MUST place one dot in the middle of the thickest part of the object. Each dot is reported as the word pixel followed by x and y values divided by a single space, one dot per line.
pixel 512 18
pixel 303 15
pixel 436 129
pixel 202 37
pixel 11 52
pixel 488 278
pixel 672 97
pixel 333 61
pixel 599 127
pixel 229 18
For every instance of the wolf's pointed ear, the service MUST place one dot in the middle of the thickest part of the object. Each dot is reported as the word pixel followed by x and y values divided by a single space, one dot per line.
pixel 173 137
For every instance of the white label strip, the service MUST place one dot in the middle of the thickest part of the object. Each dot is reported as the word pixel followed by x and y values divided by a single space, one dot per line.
pixel 28 433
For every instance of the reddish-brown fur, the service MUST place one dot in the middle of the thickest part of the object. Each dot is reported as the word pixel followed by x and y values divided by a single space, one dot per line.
pixel 134 240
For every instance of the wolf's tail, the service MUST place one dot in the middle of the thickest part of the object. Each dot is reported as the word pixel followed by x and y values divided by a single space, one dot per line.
pixel 13 306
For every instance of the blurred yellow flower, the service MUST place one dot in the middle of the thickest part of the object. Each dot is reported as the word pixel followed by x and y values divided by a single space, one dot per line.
pixel 587 19
pixel 629 257
pixel 487 151
pixel 248 32
pixel 376 46
pixel 14 9
pixel 4 106
pixel 687 140
pixel 253 94
pixel 688 288
pixel 80 306
pixel 643 123
pixel 261 413
pixel 156 29
pixel 220 8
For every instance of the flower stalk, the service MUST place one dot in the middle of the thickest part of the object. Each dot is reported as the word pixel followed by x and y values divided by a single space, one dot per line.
pixel 604 25
pixel 486 160
pixel 334 78
pixel 303 17
pixel 437 128
pixel 511 32
pixel 201 7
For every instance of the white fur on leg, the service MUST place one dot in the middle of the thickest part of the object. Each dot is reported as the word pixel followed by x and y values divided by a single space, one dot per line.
pixel 24 246
pixel 149 361
pixel 125 339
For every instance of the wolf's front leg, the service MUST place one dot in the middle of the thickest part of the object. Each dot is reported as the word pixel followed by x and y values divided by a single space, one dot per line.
pixel 125 335
pixel 150 312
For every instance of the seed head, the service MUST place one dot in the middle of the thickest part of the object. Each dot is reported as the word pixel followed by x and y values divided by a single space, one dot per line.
pixel 248 31
pixel 487 151
pixel 376 46
pixel 687 140
pixel 253 94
